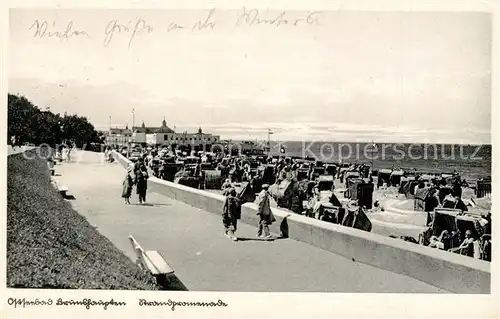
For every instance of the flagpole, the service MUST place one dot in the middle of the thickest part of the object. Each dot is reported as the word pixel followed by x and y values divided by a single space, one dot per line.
pixel 268 142
pixel 133 119
pixel 373 146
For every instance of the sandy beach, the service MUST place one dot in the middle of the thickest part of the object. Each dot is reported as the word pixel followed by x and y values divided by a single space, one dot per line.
pixel 396 215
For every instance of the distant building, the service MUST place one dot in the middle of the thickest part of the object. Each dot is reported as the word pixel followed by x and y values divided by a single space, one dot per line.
pixel 165 136
pixel 150 135
pixel 118 137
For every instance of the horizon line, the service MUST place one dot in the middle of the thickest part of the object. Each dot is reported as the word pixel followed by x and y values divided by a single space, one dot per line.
pixel 322 140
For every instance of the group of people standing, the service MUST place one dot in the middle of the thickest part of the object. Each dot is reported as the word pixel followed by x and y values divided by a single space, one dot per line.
pixel 232 212
pixel 139 179
pixel 64 152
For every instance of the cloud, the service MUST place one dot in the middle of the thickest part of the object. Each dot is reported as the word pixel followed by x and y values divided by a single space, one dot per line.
pixel 214 106
pixel 358 76
pixel 151 100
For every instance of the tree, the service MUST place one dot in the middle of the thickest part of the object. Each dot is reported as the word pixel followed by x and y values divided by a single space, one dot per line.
pixel 29 124
pixel 19 111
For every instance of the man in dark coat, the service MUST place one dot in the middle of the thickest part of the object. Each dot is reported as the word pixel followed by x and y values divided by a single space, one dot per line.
pixel 141 181
pixel 231 213
pixel 457 185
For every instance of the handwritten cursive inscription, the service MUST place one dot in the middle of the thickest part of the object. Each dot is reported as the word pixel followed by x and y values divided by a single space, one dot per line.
pixel 174 26
pixel 42 30
pixel 18 302
pixel 207 23
pixel 86 302
pixel 253 17
pixel 132 29
pixel 172 304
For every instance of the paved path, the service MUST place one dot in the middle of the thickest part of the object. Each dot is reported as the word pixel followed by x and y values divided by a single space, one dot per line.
pixel 204 259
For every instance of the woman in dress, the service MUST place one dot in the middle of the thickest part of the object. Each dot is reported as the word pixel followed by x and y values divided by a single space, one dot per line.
pixel 128 182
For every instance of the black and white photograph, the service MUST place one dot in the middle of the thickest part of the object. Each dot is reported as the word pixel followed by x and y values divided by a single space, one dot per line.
pixel 248 149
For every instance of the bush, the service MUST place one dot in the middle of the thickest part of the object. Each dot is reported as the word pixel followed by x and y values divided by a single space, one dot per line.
pixel 49 245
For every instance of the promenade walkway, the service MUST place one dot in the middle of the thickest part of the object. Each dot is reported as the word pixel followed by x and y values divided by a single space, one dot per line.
pixel 192 242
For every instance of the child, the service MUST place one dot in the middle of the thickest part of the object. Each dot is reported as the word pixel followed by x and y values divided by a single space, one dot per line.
pixel 127 186
pixel 231 213
pixel 265 213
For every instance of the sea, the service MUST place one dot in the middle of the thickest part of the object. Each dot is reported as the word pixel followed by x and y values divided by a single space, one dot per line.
pixel 471 161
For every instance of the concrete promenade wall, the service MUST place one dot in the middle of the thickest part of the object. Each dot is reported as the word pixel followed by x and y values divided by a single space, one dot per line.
pixel 452 272
pixel 18 149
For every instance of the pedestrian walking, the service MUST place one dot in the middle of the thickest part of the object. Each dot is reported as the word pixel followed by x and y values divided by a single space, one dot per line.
pixel 231 213
pixel 110 156
pixel 68 157
pixel 13 142
pixel 128 182
pixel 226 184
pixel 265 213
pixel 141 181
pixel 457 185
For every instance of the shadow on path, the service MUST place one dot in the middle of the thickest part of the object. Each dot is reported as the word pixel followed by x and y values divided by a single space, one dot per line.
pixel 284 227
pixel 68 196
pixel 259 239
pixel 150 204
pixel 170 282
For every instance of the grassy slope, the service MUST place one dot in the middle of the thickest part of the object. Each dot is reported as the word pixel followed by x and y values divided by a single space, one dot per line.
pixel 50 245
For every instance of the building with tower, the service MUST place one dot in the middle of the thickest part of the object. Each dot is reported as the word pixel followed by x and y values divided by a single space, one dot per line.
pixel 150 135
pixel 161 136
pixel 165 136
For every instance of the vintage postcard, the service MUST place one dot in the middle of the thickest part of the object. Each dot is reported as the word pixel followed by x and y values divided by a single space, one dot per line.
pixel 250 160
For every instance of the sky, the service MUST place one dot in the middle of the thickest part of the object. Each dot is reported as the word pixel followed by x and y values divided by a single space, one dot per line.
pixel 341 76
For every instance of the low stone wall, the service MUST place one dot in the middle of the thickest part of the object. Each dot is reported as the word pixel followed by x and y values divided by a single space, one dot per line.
pixel 18 149
pixel 445 270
